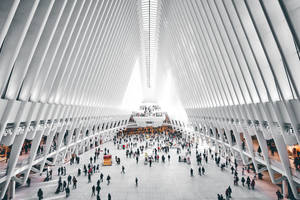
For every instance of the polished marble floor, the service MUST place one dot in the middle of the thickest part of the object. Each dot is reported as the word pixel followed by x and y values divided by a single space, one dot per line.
pixel 162 181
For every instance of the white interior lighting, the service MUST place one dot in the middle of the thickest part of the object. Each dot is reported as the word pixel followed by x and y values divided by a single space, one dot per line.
pixel 169 99
pixel 134 94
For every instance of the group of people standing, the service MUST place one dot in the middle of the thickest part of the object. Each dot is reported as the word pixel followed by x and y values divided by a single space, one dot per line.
pixel 163 145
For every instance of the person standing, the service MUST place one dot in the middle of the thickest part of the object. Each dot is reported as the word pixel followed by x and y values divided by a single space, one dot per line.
pixel 93 190
pixel 192 172
pixel 64 185
pixel 58 171
pixel 89 177
pixel 28 182
pixel 85 170
pixel 74 182
pixel 50 174
pixel 136 181
pixel 60 184
pixel 109 196
pixel 279 195
pixel 243 181
pixel 108 179
pixel 101 177
pixel 252 184
pixel 69 179
pixel 248 182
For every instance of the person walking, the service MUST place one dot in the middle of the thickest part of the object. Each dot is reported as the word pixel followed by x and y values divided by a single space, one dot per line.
pixel 279 195
pixel 98 188
pixel 232 169
pixel 40 194
pixel 123 170
pixel 229 191
pixel 67 192
pixel 108 196
pixel 199 171
pixel 64 185
pixel 192 172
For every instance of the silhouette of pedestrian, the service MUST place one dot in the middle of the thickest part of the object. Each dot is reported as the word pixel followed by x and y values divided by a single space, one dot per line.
pixel 40 194
pixel 67 192
pixel 89 178
pixel 108 179
pixel 136 181
pixel 93 190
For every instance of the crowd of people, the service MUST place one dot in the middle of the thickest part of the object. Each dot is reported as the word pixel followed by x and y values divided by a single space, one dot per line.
pixel 155 148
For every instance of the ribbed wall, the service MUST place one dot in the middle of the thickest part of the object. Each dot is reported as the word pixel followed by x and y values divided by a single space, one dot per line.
pixel 64 68
pixel 237 68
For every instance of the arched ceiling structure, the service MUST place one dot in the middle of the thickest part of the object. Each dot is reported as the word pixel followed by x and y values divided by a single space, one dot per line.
pixel 51 51
pixel 67 64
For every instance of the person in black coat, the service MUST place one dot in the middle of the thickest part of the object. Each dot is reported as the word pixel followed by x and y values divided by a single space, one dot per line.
pixel 40 194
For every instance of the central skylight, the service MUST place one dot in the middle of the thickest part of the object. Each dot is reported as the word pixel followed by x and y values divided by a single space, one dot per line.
pixel 149 25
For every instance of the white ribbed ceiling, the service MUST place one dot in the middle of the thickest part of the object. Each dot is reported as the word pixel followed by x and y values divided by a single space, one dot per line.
pixel 219 53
